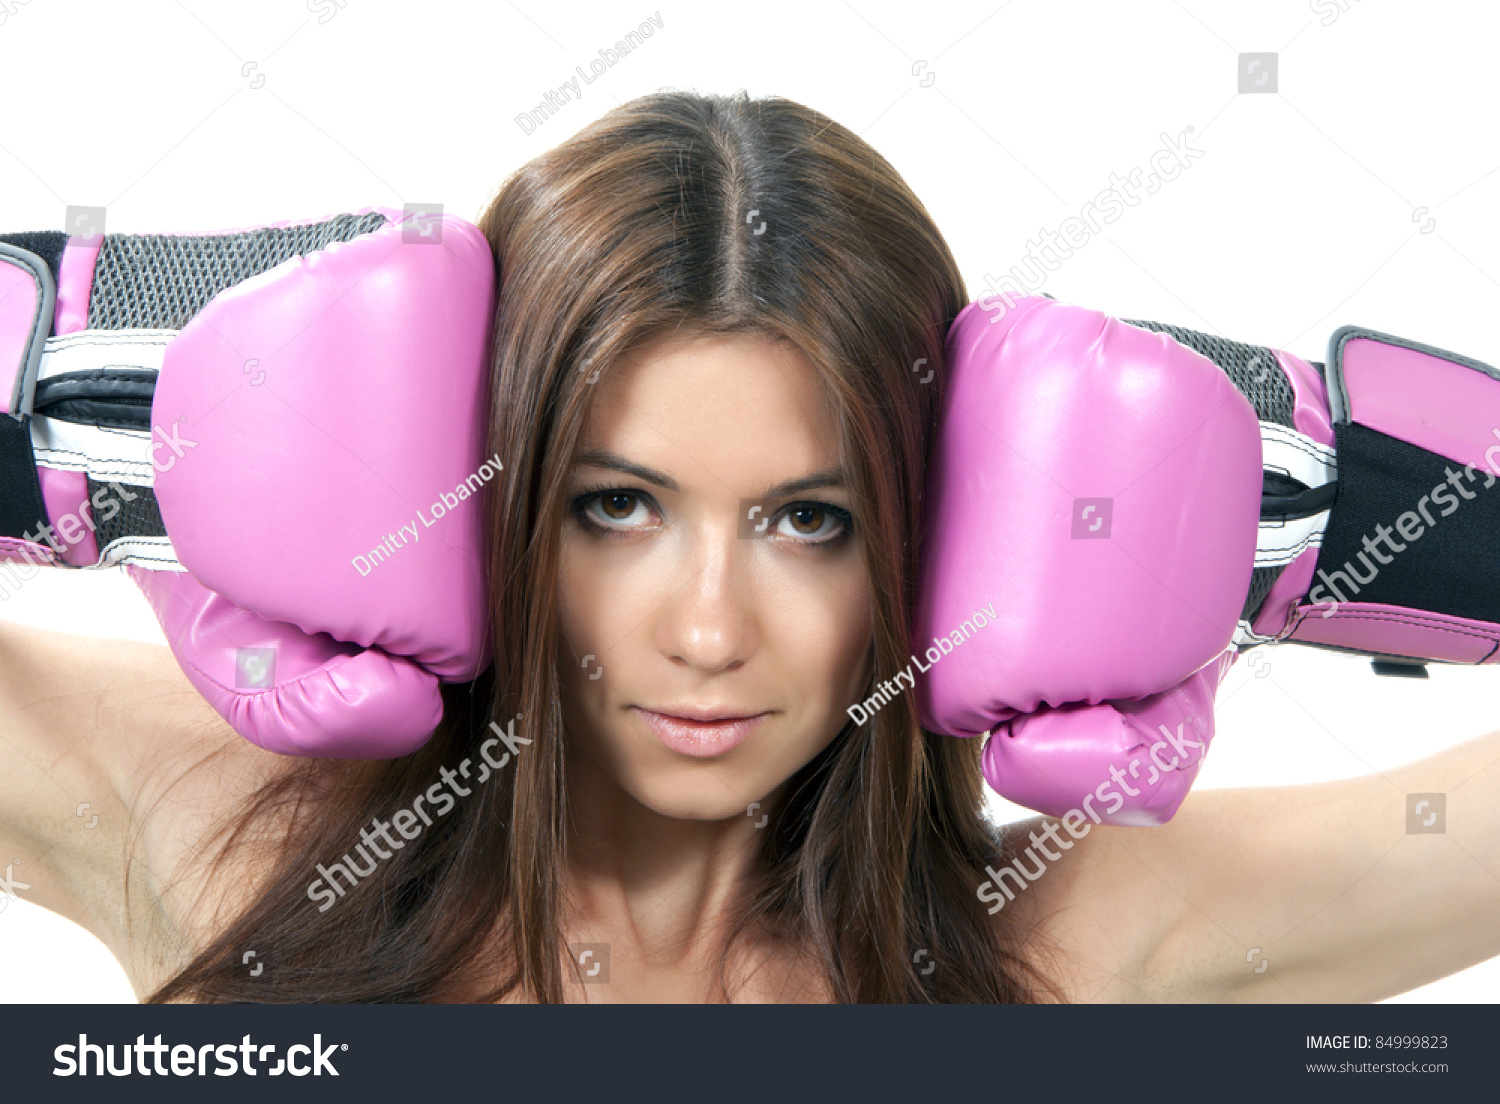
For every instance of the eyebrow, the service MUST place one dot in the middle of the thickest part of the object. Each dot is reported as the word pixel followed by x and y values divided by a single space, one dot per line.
pixel 602 458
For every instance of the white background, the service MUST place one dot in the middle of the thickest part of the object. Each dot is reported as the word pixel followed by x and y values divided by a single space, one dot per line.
pixel 1301 216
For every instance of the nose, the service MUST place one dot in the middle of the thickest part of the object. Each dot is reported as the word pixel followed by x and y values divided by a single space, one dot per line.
pixel 709 623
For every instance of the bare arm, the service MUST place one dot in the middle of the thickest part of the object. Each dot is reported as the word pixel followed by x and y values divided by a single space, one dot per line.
pixel 62 819
pixel 101 798
pixel 1296 894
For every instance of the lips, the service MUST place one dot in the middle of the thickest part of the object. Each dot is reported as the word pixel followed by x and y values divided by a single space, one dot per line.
pixel 705 716
pixel 701 733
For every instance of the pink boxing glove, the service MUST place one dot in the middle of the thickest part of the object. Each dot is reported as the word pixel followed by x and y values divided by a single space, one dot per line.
pixel 279 431
pixel 1089 536
pixel 1098 487
pixel 1134 760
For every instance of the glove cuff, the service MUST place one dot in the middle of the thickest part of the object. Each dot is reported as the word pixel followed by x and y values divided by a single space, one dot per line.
pixel 1407 564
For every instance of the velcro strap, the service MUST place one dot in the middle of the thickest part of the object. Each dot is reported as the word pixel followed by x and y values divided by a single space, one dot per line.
pixel 94 414
pixel 1416 521
pixel 116 397
pixel 21 507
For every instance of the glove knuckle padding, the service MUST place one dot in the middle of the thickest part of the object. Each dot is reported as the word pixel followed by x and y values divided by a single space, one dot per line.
pixel 331 698
pixel 1058 761
pixel 1053 404
pixel 348 439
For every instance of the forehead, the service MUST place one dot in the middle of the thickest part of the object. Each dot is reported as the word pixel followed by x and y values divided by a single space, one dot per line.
pixel 715 394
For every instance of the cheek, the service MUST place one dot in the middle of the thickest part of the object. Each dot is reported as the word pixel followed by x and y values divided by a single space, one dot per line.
pixel 605 595
pixel 576 598
pixel 823 624
pixel 584 613
pixel 608 598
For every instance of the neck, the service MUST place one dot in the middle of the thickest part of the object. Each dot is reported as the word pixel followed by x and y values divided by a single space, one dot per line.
pixel 662 890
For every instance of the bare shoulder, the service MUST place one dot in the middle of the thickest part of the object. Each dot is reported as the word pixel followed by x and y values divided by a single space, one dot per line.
pixel 140 771
pixel 1092 910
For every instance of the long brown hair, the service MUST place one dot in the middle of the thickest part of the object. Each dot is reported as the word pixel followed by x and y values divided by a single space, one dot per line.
pixel 713 214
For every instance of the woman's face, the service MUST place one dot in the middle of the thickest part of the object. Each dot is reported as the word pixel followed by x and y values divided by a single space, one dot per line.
pixel 679 598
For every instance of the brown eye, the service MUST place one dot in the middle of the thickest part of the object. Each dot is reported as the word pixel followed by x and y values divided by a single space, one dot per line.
pixel 618 506
pixel 807 520
pixel 814 523
pixel 615 512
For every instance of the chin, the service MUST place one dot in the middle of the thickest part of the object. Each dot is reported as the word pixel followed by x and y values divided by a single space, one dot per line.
pixel 704 798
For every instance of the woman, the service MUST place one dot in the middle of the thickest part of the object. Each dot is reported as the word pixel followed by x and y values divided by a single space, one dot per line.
pixel 714 444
